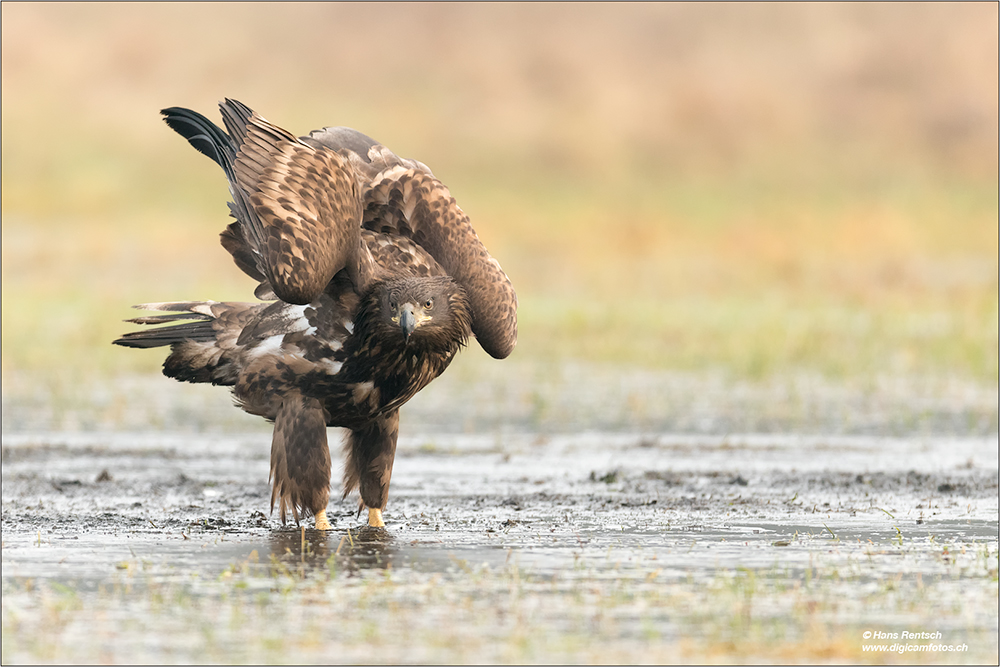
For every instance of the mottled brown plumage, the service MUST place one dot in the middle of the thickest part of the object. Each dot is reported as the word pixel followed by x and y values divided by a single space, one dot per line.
pixel 304 204
pixel 411 203
pixel 377 280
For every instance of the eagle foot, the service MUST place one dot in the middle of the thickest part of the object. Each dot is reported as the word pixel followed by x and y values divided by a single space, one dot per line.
pixel 322 523
pixel 375 518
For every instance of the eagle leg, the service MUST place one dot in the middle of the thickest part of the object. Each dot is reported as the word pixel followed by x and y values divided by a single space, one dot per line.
pixel 371 450
pixel 374 515
pixel 300 459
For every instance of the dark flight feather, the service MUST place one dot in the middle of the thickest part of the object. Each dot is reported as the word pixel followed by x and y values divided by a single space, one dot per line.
pixel 201 133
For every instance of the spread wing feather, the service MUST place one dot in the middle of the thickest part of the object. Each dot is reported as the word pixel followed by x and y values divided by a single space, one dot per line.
pixel 411 203
pixel 304 205
pixel 403 198
pixel 209 139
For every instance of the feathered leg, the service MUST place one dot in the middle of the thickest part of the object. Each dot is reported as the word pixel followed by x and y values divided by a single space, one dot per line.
pixel 370 453
pixel 300 459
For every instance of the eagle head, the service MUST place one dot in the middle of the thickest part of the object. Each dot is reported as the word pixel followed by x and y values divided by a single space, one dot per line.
pixel 425 311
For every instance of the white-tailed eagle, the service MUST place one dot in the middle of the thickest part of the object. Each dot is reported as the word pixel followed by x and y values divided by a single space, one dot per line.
pixel 372 279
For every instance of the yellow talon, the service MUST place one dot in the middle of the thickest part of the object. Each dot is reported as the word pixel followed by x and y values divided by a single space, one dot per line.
pixel 322 523
pixel 375 518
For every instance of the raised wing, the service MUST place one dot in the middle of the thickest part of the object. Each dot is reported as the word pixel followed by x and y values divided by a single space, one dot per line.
pixel 403 198
pixel 298 207
pixel 412 203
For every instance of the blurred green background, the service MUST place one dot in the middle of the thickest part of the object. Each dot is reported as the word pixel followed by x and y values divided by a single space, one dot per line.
pixel 756 190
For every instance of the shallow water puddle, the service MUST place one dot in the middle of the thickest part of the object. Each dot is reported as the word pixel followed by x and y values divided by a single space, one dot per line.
pixel 85 501
pixel 671 535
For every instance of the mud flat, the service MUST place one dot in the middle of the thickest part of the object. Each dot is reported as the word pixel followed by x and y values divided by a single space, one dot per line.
pixel 594 546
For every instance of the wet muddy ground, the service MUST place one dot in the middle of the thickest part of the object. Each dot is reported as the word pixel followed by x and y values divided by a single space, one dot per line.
pixel 593 546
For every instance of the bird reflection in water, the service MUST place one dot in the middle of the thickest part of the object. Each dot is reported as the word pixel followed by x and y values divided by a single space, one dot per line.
pixel 349 550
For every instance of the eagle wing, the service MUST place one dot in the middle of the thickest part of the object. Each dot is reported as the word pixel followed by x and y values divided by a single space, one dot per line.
pixel 298 207
pixel 304 205
pixel 403 199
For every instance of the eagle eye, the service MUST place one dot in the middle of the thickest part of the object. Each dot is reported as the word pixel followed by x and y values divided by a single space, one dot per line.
pixel 428 304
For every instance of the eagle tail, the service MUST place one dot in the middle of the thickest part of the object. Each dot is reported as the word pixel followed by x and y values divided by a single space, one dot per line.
pixel 202 336
pixel 199 330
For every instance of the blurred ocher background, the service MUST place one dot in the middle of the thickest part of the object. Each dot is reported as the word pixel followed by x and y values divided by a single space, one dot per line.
pixel 754 191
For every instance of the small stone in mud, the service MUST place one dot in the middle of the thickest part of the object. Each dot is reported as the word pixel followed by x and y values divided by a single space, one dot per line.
pixel 739 481
pixel 105 476
pixel 946 488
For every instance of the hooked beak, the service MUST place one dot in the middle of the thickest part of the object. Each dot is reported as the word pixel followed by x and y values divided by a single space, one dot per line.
pixel 407 321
